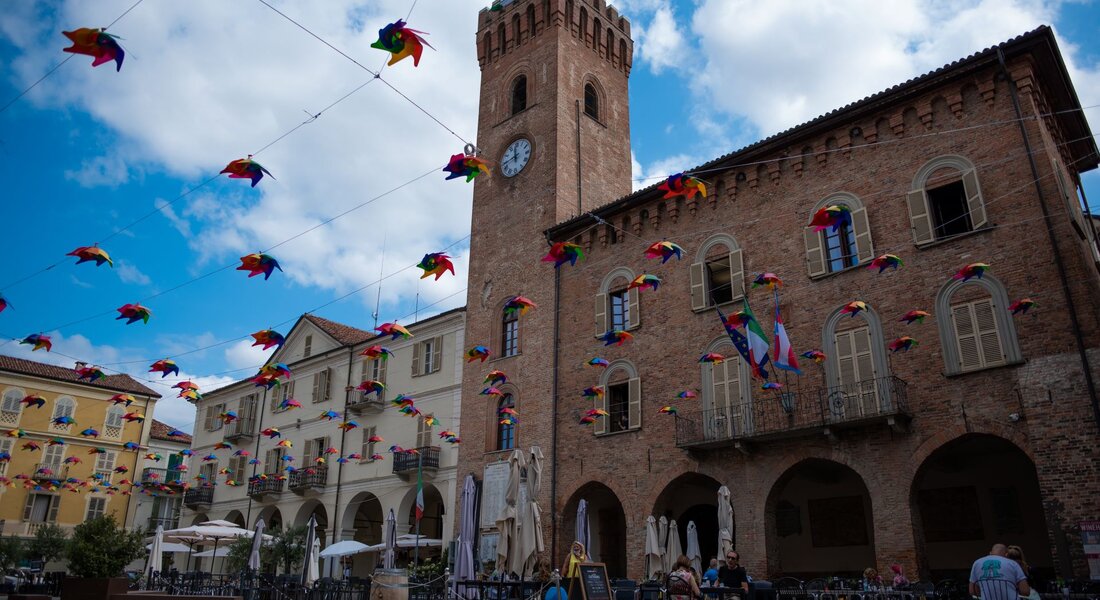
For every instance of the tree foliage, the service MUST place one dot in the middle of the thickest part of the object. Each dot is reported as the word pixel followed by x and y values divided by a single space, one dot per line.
pixel 289 547
pixel 11 551
pixel 101 549
pixel 239 551
pixel 48 544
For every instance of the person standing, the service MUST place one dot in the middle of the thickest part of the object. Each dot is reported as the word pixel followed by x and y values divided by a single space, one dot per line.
pixel 732 574
pixel 997 577
pixel 1016 553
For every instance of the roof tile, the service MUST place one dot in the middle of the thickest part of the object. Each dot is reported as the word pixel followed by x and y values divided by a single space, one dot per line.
pixel 120 382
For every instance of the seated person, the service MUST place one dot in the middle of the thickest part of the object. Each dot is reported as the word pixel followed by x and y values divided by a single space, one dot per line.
pixel 681 583
pixel 710 576
pixel 732 574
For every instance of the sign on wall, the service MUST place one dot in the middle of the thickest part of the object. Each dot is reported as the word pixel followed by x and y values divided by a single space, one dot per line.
pixel 1090 538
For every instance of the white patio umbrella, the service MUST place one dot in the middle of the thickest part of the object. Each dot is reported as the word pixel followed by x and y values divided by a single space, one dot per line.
pixel 584 532
pixel 509 558
pixel 314 562
pixel 169 547
pixel 309 570
pixel 530 530
pixel 389 539
pixel 693 551
pixel 464 547
pixel 725 521
pixel 406 540
pixel 156 552
pixel 344 548
pixel 673 549
pixel 652 548
pixel 662 539
pixel 221 552
pixel 257 539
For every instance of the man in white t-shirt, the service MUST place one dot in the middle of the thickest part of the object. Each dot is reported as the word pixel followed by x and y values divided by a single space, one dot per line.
pixel 996 577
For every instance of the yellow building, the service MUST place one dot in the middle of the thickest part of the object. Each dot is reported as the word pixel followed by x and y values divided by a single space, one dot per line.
pixel 53 473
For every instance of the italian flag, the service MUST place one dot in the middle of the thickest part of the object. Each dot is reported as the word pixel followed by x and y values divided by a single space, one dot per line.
pixel 758 344
pixel 419 494
pixel 784 353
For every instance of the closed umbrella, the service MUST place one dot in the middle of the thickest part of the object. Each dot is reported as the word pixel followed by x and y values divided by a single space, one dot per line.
pixel 509 557
pixel 314 562
pixel 389 555
pixel 257 539
pixel 674 548
pixel 725 521
pixel 693 551
pixel 311 535
pixel 662 540
pixel 156 553
pixel 652 548
pixel 467 529
pixel 530 531
pixel 584 532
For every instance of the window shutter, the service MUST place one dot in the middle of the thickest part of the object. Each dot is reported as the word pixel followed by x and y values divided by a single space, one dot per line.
pixel 601 314
pixel 381 371
pixel 28 507
pixel 974 199
pixel 326 442
pixel 319 386
pixel 634 403
pixel 861 227
pixel 308 453
pixel 815 252
pixel 218 423
pixel 737 274
pixel 307 347
pixel 718 386
pixel 365 369
pixel 600 426
pixel 288 390
pixel 920 220
pixel 699 299
pixel 364 449
pixel 633 309
pixel 966 338
pixel 861 344
pixel 417 348
pixel 326 390
pixel 55 504
pixel 989 338
pixel 845 358
pixel 437 353
pixel 210 415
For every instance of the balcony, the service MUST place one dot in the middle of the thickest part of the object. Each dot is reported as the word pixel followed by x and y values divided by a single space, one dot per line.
pixel 244 428
pixel 165 522
pixel 30 528
pixel 154 476
pixel 787 414
pixel 311 479
pixel 260 488
pixel 49 471
pixel 359 404
pixel 406 463
pixel 198 497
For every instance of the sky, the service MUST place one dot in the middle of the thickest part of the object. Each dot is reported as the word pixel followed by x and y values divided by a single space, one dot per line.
pixel 130 159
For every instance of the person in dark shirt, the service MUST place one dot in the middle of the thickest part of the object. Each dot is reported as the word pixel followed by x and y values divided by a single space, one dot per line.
pixel 732 574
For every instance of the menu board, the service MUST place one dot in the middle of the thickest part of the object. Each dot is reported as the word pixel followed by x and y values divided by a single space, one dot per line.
pixel 494 485
pixel 594 582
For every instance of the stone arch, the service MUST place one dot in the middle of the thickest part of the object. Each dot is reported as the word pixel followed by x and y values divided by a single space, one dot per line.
pixel 502 38
pixel 718 239
pixel 880 364
pixel 583 25
pixel 317 509
pixel 947 161
pixel 272 516
pixel 858 234
pixel 818 520
pixel 693 497
pixel 492 417
pixel 615 274
pixel 363 515
pixel 235 516
pixel 434 510
pixel 621 364
pixel 1006 326
pixel 200 518
pixel 607 525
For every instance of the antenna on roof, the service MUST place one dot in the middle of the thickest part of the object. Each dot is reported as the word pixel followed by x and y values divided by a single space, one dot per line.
pixel 378 295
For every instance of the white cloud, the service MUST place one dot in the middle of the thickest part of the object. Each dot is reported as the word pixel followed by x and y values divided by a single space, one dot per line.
pixel 79 282
pixel 644 176
pixel 661 44
pixel 110 171
pixel 243 354
pixel 128 273
pixel 179 223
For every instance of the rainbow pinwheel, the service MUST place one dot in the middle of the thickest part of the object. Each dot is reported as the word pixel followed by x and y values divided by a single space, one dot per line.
pixel 597 362
pixel 276 370
pixel 668 410
pixel 289 404
pixel 431 421
pixel 393 330
pixel 246 168
pixel 835 216
pixel 401 42
pixel 72 460
pixel 134 447
pixel 616 337
pixel 409 410
pixel 518 304
pixel 126 399
pixel 56 442
pixel 596 413
pixel 31 446
pixel 153 456
pixel 713 358
pixel 348 425
pixel 462 165
pixel 914 316
pixel 508 410
pixel 595 391
pixel 33 400
pixel 495 378
pixel 682 185
pixel 96 43
pixel 223 446
pixel 377 457
pixel 228 416
pixel 3 303
pixel 587 420
pixel 815 355
pixel 771 385
pixel 186 386
pixel 853 308
pixel 971 270
pixel 329 415
pixel 266 380
pixel 377 352
pixel 492 391
pixel 39 341
pixel 396 449
pixel 477 352
pixel 268 338
pixel 63 420
pixel 133 312
pixel 192 395
pixel 89 432
pixel 371 386
pixel 273 432
pixel 92 253
pixel 738 319
pixel 90 373
pixel 886 261
pixel 903 344
pixel 645 280
pixel 564 252
pixel 664 250
pixel 16 433
pixel 257 263
pixel 285 444
pixel 1021 305
pixel 768 280
pixel 186 452
pixel 132 417
pixel 687 395
pixel 436 264
pixel 209 457
pixel 165 367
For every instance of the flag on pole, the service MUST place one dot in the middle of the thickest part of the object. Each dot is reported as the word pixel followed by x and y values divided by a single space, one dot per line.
pixel 758 344
pixel 739 341
pixel 784 354
pixel 419 493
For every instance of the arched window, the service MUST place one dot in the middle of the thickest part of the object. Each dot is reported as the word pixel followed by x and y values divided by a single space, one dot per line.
pixel 617 307
pixel 501 37
pixel 519 94
pixel 509 333
pixel 517 33
pixel 545 13
pixel 856 369
pixel 727 393
pixel 623 58
pixel 569 14
pixel 975 326
pixel 609 43
pixel 597 35
pixel 64 407
pixel 718 273
pixel 591 101
pixel 831 251
pixel 12 405
pixel 622 399
pixel 582 25
pixel 506 430
pixel 945 200
pixel 530 20
pixel 112 425
pixel 487 43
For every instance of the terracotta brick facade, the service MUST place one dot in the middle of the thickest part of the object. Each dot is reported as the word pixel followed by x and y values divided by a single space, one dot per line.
pixel 764 196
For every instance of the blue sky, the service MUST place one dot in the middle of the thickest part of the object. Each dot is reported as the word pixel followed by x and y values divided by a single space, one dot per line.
pixel 90 151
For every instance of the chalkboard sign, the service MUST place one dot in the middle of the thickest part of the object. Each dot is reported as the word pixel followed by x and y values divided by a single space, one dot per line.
pixel 594 582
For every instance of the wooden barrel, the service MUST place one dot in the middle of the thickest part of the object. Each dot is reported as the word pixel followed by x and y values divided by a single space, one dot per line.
pixel 389 584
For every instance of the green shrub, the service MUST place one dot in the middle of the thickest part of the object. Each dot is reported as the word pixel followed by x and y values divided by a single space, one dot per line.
pixel 48 544
pixel 101 549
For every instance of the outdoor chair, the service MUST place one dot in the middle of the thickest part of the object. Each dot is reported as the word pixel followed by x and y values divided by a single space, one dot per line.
pixel 678 588
pixel 816 589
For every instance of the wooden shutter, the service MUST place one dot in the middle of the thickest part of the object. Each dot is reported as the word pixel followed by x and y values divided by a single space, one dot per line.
pixel 437 353
pixel 865 364
pixel 238 468
pixel 634 403
pixel 861 227
pixel 53 456
pixel 974 199
pixel 307 347
pixel 633 309
pixel 601 314
pixel 271 461
pixel 288 390
pixel 815 252
pixel 423 433
pixel 600 426
pixel 920 218
pixel 966 337
pixel 320 385
pixel 737 274
pixel 417 348
pixel 367 448
pixel 308 452
pixel 845 358
pixel 210 416
pixel 55 504
pixel 989 339
pixel 28 507
pixel 699 300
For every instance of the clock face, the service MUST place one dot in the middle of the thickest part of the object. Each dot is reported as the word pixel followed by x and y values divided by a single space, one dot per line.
pixel 515 157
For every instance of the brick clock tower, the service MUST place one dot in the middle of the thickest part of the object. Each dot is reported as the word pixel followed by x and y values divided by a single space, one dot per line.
pixel 554 125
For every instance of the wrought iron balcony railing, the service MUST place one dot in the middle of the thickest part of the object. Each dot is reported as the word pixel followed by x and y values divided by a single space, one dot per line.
pixel 202 496
pixel 309 478
pixel 359 404
pixel 782 414
pixel 155 476
pixel 425 458
pixel 261 487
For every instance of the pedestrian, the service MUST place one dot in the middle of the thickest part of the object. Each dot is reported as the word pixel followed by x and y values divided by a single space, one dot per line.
pixel 710 576
pixel 1016 553
pixel 681 584
pixel 732 574
pixel 997 577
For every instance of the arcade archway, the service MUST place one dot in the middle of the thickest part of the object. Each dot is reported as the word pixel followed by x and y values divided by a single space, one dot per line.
pixel 606 522
pixel 693 497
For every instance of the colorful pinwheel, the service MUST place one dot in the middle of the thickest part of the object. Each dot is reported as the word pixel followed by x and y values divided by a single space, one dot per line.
pixel 31 446
pixel 63 420
pixel 564 252
pixel 285 444
pixel 835 216
pixel 4 303
pixel 329 415
pixel 436 264
pixel 492 391
pixel 712 357
pixel 771 385
pixel 223 446
pixel 164 366
pixel 393 330
pixel 176 433
pixel 153 456
pixel 72 460
pixel 186 452
pixel 96 43
pixel 462 165
pixel 91 253
pixel 518 304
pixel 268 338
pixel 371 386
pixel 616 337
pixel 595 391
pixel 886 261
pixel 853 308
pixel 495 378
pixel 598 362
pixel 257 263
pixel 644 281
pixel 377 352
pixel 133 312
pixel 89 432
pixel 348 425
pixel 228 416
pixel 664 250
pixel 134 447
pixel 903 344
pixel 477 352
pixel 668 410
pixel 971 270
pixel 289 404
pixel 131 417
pixel 914 316
pixel 92 373
pixel 16 433
pixel 815 355
pixel 401 42
pixel 1021 305
pixel 246 168
pixel 687 395
pixel 377 457
pixel 768 280
pixel 126 399
pixel 273 432
pixel 39 341
pixel 33 400
pixel 682 185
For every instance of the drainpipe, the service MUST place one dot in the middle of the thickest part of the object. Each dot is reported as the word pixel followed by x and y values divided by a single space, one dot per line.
pixel 577 104
pixel 1074 322
pixel 554 419
pixel 262 408
pixel 340 465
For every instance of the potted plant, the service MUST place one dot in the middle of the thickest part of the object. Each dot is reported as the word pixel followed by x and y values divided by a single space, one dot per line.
pixel 98 552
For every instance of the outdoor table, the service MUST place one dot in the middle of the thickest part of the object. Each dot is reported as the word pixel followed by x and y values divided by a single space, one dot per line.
pixel 722 593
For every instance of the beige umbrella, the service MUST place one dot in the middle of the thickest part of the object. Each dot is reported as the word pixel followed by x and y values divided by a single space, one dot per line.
pixel 662 540
pixel 530 530
pixel 725 521
pixel 509 559
pixel 652 548
pixel 673 549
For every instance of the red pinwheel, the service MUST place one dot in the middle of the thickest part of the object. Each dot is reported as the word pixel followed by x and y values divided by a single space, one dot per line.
pixel 371 386
pixel 246 168
pixel 132 417
pixel 164 366
pixel 133 312
pixel 712 357
pixel 682 185
pixel 495 377
pixel 477 352
pixel 268 338
pixel 886 261
pixel 257 263
pixel 92 253
pixel 33 400
pixel 768 280
pixel 4 303
pixel 595 391
pixel 971 270
pixel 903 344
pixel 668 410
pixel 39 341
pixel 401 42
pixel 644 281
pixel 1021 305
pixel 616 337
pixel 664 251
pixel 815 355
pixel 126 399
pixel 464 165
pixel 835 216
pixel 96 43
pixel 518 304
pixel 687 395
pixel 564 252
pixel 914 316
pixel 90 373
pixel 854 308
pixel 393 330
pixel 271 433
pixel 436 264
pixel 376 352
